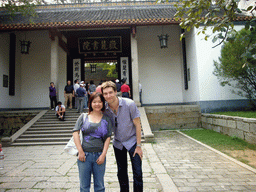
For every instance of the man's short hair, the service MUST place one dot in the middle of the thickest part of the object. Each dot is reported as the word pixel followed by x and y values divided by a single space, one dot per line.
pixel 108 84
pixel 59 103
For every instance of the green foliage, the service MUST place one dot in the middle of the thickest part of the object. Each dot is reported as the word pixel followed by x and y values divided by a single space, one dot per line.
pixel 237 64
pixel 25 7
pixel 111 69
pixel 247 114
pixel 218 140
pixel 218 14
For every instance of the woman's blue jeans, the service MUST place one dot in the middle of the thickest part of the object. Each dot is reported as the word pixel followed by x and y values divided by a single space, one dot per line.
pixel 91 167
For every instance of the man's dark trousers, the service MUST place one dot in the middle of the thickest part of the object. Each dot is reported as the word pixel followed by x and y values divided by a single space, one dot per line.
pixel 122 174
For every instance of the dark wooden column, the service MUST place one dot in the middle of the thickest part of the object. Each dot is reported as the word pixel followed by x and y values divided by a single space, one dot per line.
pixel 185 68
pixel 12 64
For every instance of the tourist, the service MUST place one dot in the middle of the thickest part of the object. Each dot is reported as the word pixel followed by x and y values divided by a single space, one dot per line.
pixel 68 93
pixel 60 111
pixel 118 88
pixel 92 88
pixel 76 86
pixel 125 117
pixel 97 129
pixel 80 93
pixel 52 94
pixel 98 89
pixel 85 97
pixel 125 89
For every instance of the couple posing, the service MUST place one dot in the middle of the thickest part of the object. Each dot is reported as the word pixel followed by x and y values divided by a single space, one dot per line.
pixel 121 116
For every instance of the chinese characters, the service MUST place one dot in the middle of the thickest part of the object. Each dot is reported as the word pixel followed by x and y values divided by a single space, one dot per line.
pixel 100 45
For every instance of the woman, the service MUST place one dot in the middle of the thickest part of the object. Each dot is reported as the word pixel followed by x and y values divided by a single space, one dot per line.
pixel 97 129
pixel 52 94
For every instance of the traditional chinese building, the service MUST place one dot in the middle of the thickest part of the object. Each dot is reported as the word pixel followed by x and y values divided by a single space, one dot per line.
pixel 62 38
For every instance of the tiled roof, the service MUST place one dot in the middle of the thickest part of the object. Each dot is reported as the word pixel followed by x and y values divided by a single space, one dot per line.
pixel 92 15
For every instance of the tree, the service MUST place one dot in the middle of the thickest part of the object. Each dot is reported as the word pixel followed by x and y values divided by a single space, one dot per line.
pixel 111 67
pixel 25 7
pixel 237 63
pixel 218 14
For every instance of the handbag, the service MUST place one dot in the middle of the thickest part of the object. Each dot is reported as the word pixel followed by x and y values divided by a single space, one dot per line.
pixel 70 148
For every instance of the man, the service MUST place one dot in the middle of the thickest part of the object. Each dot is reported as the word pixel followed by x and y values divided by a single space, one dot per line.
pixel 125 89
pixel 127 135
pixel 52 94
pixel 68 93
pixel 80 92
pixel 76 86
pixel 60 111
pixel 118 87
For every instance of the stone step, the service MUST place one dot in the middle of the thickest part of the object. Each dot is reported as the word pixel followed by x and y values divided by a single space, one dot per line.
pixel 56 119
pixel 46 135
pixel 39 143
pixel 49 131
pixel 51 128
pixel 54 122
pixel 54 125
pixel 75 115
pixel 58 139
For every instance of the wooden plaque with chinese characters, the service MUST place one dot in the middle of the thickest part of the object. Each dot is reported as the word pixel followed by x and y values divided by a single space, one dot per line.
pixel 100 45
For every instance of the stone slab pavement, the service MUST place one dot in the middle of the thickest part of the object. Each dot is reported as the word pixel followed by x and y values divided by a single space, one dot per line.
pixel 173 162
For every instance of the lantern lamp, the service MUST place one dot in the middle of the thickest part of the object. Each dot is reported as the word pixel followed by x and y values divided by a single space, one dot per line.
pixel 93 68
pixel 24 46
pixel 163 40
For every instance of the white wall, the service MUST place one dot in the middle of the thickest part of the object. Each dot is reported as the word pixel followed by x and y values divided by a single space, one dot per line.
pixel 192 93
pixel 35 70
pixel 209 86
pixel 7 101
pixel 160 70
pixel 62 74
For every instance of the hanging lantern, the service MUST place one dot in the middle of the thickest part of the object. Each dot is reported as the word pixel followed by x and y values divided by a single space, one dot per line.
pixel 163 40
pixel 93 68
pixel 24 46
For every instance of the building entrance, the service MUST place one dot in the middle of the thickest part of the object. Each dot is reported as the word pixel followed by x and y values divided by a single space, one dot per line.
pixel 100 72
pixel 99 55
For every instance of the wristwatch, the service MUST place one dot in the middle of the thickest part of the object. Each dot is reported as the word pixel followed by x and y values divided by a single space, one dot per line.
pixel 139 145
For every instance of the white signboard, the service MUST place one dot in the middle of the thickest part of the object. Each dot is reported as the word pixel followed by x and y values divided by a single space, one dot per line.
pixel 124 68
pixel 77 69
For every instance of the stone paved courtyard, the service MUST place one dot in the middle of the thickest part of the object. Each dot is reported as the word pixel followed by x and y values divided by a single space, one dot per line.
pixel 194 167
pixel 172 163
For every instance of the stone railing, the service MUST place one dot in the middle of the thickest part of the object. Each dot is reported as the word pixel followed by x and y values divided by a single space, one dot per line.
pixel 173 116
pixel 244 128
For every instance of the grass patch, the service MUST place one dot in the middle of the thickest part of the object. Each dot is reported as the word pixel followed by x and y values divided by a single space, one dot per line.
pixel 218 140
pixel 247 114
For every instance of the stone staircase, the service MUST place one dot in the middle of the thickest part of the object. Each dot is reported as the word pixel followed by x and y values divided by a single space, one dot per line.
pixel 48 130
